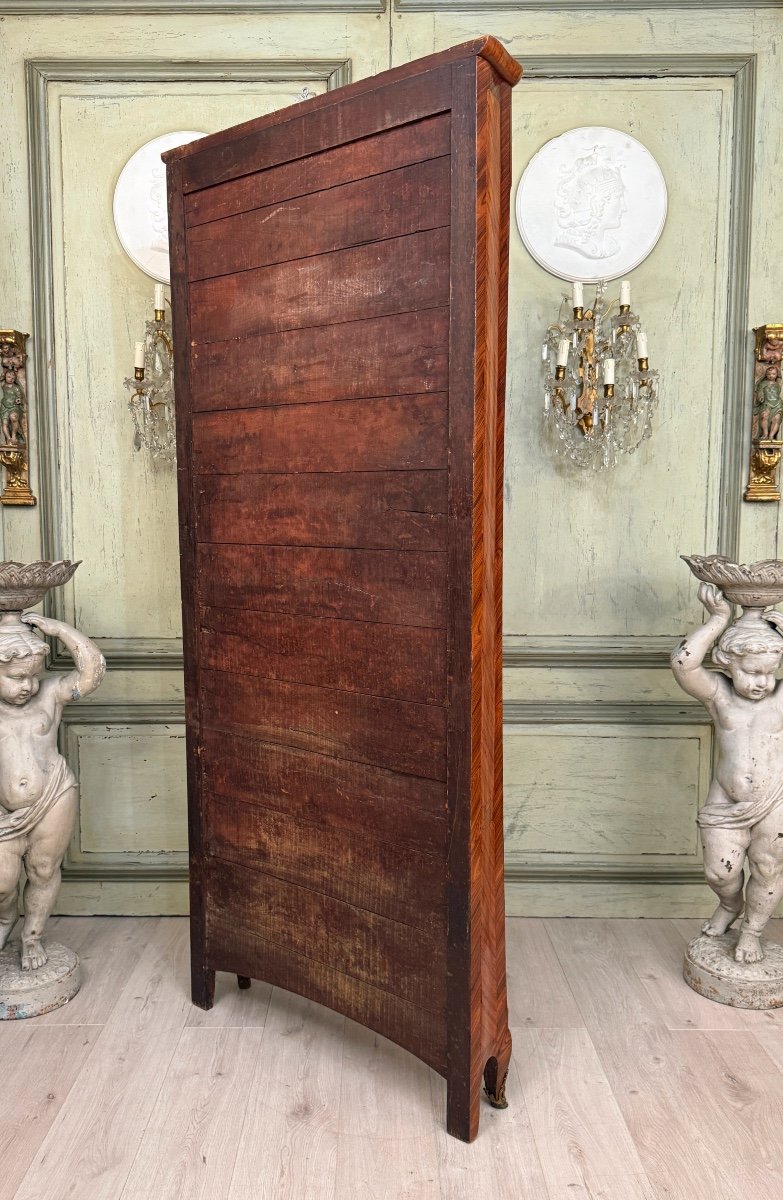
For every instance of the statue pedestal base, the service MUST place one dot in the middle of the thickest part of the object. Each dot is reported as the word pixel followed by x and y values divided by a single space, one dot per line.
pixel 32 993
pixel 710 969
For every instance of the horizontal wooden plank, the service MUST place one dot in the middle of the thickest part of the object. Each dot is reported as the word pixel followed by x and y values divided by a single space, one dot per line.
pixel 245 953
pixel 354 656
pixel 389 205
pixel 383 434
pixel 398 736
pixel 304 132
pixel 399 275
pixel 348 797
pixel 396 510
pixel 428 138
pixel 403 588
pixel 403 354
pixel 360 944
pixel 365 870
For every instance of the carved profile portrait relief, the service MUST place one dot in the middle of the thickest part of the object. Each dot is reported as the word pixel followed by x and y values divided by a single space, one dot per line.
pixel 591 204
pixel 140 215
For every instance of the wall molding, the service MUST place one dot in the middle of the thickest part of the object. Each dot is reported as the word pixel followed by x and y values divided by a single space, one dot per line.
pixel 121 653
pixel 611 873
pixel 651 713
pixel 594 653
pixel 164 8
pixel 128 654
pixel 100 870
pixel 586 6
pixel 170 712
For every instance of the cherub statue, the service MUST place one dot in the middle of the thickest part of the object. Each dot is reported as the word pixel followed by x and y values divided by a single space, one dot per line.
pixel 743 814
pixel 38 792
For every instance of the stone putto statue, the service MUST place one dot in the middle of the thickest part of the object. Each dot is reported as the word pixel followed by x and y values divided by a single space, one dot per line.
pixel 38 792
pixel 741 822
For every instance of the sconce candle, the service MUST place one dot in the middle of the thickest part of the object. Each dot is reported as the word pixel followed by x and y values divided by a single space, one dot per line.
pixel 578 296
pixel 562 352
pixel 138 360
pixel 159 297
pixel 625 293
pixel 608 371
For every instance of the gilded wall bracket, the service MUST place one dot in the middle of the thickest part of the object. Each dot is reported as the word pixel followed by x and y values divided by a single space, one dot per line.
pixel 14 435
pixel 766 439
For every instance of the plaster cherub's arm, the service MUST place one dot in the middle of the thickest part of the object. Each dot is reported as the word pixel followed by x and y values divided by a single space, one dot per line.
pixel 689 655
pixel 90 663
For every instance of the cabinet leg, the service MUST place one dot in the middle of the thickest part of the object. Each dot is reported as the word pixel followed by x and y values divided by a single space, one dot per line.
pixel 202 986
pixel 243 982
pixel 496 1074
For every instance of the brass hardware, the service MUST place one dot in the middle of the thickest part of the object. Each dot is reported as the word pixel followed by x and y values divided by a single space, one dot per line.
pixel 160 314
pixel 560 372
pixel 608 389
pixel 579 313
pixel 14 438
pixel 138 373
pixel 644 364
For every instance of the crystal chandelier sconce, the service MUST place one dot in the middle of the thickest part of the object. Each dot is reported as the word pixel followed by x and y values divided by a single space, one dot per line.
pixel 599 392
pixel 152 387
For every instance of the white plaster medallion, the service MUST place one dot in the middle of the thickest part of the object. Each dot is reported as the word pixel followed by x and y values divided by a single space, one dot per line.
pixel 591 204
pixel 140 215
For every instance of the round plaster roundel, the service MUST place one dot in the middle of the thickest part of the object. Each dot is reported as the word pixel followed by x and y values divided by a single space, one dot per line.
pixel 591 204
pixel 140 215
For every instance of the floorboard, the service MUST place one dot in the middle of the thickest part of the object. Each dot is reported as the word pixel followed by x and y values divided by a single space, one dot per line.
pixel 624 1085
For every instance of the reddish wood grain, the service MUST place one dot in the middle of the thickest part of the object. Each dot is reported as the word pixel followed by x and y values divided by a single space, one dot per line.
pixel 354 656
pixel 387 205
pixel 428 138
pixel 398 510
pixel 370 948
pixel 307 129
pixel 400 275
pixel 396 433
pixel 365 870
pixel 241 951
pixel 350 797
pixel 398 587
pixel 398 735
pixel 403 354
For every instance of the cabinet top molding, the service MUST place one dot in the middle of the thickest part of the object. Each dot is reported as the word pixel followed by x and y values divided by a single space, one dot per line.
pixel 163 8
pixel 486 47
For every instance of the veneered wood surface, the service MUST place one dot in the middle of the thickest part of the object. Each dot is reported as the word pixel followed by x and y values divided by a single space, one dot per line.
pixel 348 361
pixel 395 510
pixel 341 502
pixel 396 433
pixel 357 656
pixel 379 279
pixel 386 205
pixel 426 139
pixel 391 586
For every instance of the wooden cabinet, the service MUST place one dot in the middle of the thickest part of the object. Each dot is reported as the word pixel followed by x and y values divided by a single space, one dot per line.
pixel 339 279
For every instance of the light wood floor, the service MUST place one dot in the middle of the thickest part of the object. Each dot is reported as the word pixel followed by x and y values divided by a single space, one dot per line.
pixel 625 1085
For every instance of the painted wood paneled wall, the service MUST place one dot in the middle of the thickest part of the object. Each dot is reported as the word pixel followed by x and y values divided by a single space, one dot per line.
pixel 606 761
